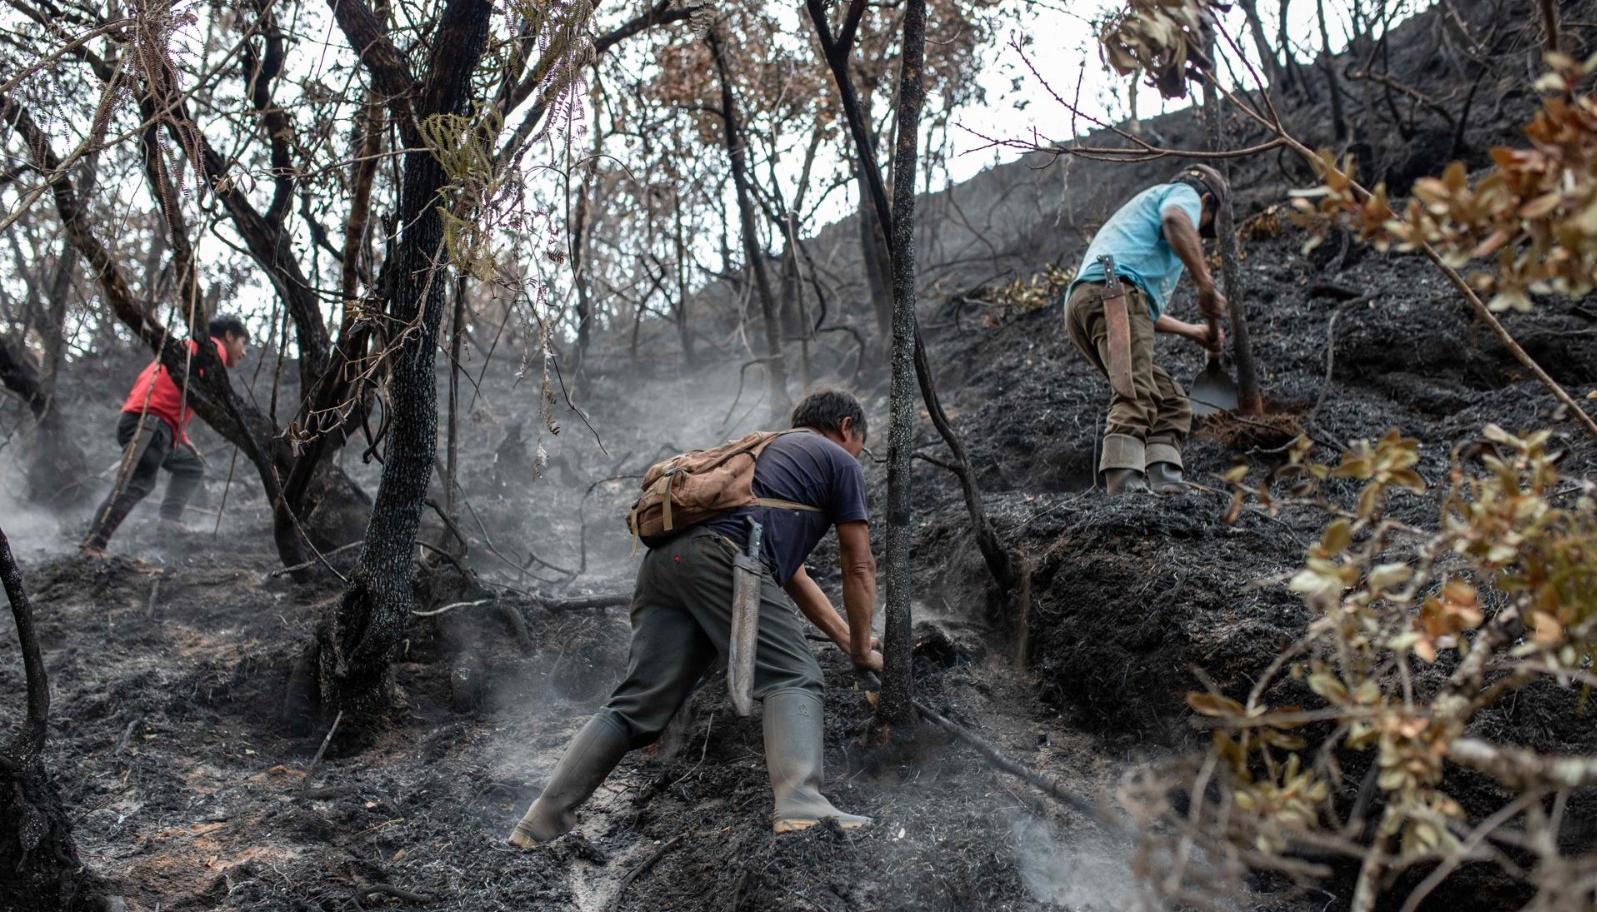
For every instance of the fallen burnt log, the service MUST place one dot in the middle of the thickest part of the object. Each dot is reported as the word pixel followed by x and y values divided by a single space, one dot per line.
pixel 584 602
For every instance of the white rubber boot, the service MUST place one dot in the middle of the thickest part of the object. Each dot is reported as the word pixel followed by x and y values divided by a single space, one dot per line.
pixel 590 757
pixel 793 754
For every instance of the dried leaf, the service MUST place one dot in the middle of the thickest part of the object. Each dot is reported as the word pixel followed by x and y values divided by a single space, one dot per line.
pixel 1211 704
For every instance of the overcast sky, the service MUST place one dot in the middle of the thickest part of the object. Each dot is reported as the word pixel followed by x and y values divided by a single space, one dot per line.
pixel 1058 39
pixel 1064 50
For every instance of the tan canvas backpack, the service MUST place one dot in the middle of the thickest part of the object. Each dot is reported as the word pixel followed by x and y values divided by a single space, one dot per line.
pixel 689 488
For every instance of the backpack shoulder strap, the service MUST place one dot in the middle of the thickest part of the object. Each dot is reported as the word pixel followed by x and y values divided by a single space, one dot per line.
pixel 777 503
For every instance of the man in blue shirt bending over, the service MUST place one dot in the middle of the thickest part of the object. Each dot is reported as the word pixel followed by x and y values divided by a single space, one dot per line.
pixel 1148 241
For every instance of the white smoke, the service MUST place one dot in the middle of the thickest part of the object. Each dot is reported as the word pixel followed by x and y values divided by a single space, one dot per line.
pixel 1077 876
pixel 32 530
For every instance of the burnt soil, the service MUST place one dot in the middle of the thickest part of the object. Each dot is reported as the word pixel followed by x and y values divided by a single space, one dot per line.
pixel 168 660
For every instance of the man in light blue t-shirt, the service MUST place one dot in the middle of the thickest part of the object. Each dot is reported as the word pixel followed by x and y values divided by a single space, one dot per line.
pixel 1151 239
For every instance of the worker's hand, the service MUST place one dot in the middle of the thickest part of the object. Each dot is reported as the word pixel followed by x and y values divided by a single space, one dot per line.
pixel 1211 301
pixel 871 661
pixel 847 647
pixel 1211 338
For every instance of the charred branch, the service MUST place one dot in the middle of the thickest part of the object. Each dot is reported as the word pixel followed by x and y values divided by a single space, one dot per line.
pixel 776 365
pixel 24 749
pixel 39 860
pixel 21 376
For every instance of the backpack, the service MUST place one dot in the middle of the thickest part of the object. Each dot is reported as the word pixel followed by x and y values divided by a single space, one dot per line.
pixel 689 488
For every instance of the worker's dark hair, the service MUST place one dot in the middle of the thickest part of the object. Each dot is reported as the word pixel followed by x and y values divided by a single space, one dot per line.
pixel 825 410
pixel 222 324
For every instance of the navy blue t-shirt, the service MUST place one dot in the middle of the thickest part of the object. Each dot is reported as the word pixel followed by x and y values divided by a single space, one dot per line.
pixel 805 468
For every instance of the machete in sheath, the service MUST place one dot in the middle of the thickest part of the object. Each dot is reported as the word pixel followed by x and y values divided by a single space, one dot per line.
pixel 741 646
pixel 1119 326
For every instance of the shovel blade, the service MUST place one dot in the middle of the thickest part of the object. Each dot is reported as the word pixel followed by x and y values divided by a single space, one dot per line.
pixel 1213 391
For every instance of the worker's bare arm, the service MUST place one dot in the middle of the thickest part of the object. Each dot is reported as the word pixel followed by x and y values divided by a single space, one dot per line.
pixel 814 604
pixel 859 590
pixel 1184 239
pixel 1197 332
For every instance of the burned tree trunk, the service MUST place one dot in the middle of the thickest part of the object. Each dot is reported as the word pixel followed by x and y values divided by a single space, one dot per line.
pixel 898 692
pixel 57 466
pixel 795 319
pixel 20 375
pixel 684 331
pixel 753 251
pixel 1550 24
pixel 1267 54
pixel 586 190
pixel 1328 64
pixel 39 863
pixel 1290 67
pixel 836 49
pixel 358 636
pixel 1249 399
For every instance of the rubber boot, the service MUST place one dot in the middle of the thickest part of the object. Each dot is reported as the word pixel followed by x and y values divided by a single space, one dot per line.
pixel 588 759
pixel 1165 478
pixel 107 519
pixel 1121 464
pixel 1124 481
pixel 793 754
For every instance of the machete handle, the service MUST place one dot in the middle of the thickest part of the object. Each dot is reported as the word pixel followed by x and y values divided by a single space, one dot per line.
pixel 1111 279
pixel 756 537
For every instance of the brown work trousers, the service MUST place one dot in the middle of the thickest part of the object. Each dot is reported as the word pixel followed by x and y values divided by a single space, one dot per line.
pixel 1151 426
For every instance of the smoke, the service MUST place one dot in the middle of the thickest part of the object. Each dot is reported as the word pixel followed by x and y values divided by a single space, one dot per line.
pixel 31 529
pixel 1076 875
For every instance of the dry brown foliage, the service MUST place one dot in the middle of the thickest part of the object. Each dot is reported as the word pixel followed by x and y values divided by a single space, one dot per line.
pixel 1415 634
pixel 1532 216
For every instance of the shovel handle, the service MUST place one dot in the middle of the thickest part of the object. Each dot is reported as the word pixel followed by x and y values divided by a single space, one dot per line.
pixel 1214 341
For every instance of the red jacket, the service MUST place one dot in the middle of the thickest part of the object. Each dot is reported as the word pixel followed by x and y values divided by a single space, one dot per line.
pixel 154 393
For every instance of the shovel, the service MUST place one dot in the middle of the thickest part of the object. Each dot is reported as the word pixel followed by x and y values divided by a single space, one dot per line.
pixel 1213 390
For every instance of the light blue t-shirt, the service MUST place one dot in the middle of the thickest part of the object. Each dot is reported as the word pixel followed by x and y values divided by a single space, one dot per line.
pixel 1134 236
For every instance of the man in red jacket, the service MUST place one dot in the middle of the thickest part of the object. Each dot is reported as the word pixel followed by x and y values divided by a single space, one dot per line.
pixel 153 435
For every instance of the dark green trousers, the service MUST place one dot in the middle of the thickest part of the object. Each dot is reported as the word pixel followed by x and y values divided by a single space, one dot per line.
pixel 157 451
pixel 682 620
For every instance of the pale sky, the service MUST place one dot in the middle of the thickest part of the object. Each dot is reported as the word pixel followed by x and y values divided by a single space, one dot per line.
pixel 1060 38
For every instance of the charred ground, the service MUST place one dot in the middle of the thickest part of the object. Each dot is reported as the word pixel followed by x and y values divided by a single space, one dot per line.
pixel 169 668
